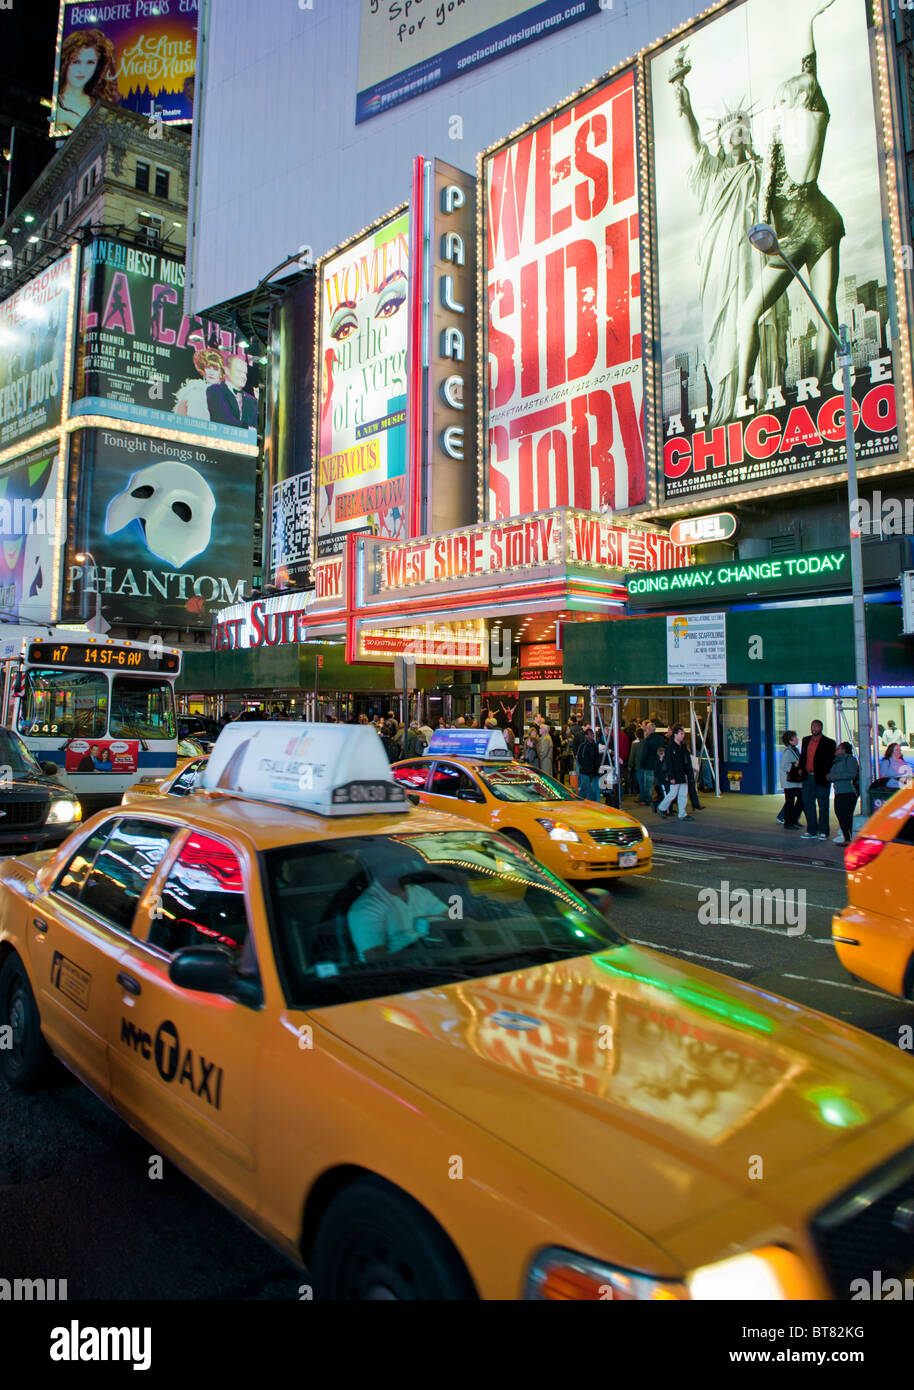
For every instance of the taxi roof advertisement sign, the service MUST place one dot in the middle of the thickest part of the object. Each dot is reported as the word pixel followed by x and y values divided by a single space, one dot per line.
pixel 137 54
pixel 334 770
pixel 763 115
pixel 562 277
pixel 360 426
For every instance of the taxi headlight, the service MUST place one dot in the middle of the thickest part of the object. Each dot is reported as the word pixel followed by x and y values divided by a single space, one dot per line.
pixel 768 1274
pixel 557 831
pixel 644 831
pixel 563 1276
pixel 63 811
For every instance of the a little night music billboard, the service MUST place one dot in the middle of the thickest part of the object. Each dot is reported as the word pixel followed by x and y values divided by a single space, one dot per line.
pixel 562 278
pixel 764 114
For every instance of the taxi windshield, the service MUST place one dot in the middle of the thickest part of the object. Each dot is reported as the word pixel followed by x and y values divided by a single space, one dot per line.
pixel 366 916
pixel 517 783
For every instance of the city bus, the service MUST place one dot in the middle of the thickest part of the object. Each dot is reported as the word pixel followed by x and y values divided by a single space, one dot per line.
pixel 103 710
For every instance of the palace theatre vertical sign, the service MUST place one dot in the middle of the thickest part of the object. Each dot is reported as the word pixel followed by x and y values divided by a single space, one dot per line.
pixel 562 286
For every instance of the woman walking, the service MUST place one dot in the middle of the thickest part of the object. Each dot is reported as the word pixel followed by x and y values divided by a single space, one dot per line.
pixel 843 775
pixel 790 780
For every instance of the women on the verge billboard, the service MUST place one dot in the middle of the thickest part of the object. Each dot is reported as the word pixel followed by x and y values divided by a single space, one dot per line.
pixel 562 281
pixel 360 429
pixel 766 113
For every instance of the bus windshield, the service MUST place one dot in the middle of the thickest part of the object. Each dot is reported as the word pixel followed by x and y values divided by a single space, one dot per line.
pixel 65 704
pixel 142 708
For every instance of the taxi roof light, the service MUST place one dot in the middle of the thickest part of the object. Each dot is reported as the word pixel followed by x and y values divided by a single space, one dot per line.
pixel 468 743
pixel 327 769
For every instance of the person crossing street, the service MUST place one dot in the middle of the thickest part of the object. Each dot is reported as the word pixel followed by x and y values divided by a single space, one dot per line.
pixel 677 769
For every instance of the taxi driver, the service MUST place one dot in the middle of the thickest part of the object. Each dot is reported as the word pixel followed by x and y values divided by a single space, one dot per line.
pixel 391 915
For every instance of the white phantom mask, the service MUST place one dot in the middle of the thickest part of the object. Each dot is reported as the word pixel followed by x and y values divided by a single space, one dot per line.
pixel 175 506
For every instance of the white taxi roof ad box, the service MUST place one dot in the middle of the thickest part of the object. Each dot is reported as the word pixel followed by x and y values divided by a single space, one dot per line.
pixel 328 769
pixel 468 743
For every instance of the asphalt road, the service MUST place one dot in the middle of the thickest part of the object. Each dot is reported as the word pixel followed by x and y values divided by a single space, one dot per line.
pixel 76 1199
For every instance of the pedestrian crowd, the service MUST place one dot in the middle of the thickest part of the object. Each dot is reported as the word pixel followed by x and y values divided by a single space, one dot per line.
pixel 810 770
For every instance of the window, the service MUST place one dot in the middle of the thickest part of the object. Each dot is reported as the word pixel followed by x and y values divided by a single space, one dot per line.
pixel 370 916
pixel 184 785
pixel 93 176
pixel 450 780
pixel 412 775
pixel 15 757
pixel 122 867
pixel 202 903
pixel 54 219
pixel 162 178
pixel 73 877
pixel 142 176
pixel 142 708
pixel 65 704
pixel 514 782
pixel 84 186
pixel 66 208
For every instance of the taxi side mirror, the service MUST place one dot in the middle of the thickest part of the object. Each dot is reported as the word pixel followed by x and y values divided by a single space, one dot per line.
pixel 212 971
pixel 49 769
pixel 413 797
pixel 470 794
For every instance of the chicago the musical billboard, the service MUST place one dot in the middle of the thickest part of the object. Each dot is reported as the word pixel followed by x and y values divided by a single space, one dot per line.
pixel 766 113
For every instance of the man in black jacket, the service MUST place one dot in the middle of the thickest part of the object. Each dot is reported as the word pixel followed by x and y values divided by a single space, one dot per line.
pixel 676 761
pixel 816 757
pixel 653 742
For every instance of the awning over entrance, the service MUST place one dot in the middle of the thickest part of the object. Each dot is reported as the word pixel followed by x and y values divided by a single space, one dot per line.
pixel 773 646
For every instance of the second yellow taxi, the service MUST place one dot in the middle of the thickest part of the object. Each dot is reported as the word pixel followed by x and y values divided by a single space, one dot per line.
pixel 472 773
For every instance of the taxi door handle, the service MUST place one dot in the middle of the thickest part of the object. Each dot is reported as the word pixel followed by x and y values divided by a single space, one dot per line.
pixel 39 924
pixel 128 983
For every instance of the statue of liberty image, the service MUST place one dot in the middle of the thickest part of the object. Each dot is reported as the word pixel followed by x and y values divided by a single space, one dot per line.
pixel 725 179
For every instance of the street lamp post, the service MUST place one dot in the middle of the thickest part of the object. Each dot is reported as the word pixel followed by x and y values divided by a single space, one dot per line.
pixel 82 557
pixel 764 239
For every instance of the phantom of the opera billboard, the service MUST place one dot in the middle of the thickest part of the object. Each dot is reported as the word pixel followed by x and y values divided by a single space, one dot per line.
pixel 137 54
pixel 766 113
pixel 562 362
pixel 33 334
pixel 168 526
pixel 360 424
pixel 141 358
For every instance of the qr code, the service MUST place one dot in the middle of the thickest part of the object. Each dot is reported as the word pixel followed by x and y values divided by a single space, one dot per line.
pixel 290 530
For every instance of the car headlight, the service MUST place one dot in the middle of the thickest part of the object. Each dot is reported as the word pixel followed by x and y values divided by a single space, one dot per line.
pixel 563 1276
pixel 557 831
pixel 768 1274
pixel 644 831
pixel 63 811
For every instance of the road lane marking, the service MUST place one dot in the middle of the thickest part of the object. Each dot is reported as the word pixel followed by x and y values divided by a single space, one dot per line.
pixel 681 883
pixel 840 984
pixel 699 955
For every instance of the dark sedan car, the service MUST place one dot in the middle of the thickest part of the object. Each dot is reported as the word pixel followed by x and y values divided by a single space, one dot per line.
pixel 35 808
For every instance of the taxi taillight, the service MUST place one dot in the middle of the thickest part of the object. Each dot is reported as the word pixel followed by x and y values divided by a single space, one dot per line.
pixel 861 852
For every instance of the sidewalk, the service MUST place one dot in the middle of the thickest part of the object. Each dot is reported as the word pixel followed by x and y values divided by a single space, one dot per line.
pixel 741 823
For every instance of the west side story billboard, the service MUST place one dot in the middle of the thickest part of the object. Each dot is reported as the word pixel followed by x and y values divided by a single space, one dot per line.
pixel 139 54
pixel 360 426
pixel 766 112
pixel 562 283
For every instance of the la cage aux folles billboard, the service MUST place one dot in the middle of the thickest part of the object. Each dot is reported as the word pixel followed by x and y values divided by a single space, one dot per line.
pixel 360 425
pixel 33 333
pixel 766 113
pixel 169 527
pixel 562 356
pixel 141 358
pixel 139 54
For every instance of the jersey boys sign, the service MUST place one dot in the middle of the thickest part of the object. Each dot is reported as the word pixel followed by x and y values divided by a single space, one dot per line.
pixel 749 128
pixel 562 280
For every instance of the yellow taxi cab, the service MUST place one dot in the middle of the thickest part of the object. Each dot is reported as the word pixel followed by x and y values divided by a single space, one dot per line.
pixel 874 934
pixel 425 1067
pixel 471 772
pixel 181 782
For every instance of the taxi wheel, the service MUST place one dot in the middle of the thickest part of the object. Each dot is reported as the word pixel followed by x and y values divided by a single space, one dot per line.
pixel 520 840
pixel 26 1063
pixel 375 1244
